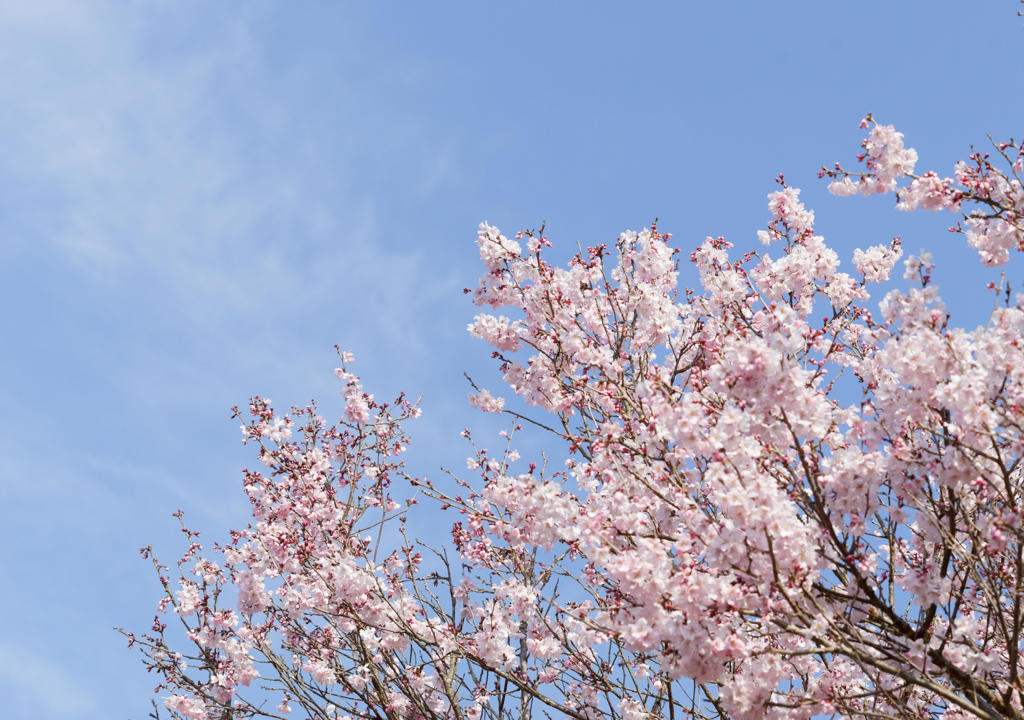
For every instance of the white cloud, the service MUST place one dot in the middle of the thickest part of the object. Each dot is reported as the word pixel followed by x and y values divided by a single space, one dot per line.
pixel 42 685
pixel 150 171
pixel 119 136
pixel 148 155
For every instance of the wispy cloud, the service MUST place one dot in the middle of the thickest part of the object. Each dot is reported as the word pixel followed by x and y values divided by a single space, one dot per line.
pixel 152 159
pixel 120 136
pixel 146 167
pixel 42 685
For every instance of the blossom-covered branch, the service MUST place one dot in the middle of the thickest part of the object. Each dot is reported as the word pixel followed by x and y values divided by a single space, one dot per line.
pixel 731 535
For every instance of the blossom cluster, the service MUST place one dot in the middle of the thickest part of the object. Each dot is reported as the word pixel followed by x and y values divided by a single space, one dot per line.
pixel 730 535
pixel 994 224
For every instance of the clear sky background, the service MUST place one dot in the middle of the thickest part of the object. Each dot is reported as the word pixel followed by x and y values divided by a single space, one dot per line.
pixel 198 200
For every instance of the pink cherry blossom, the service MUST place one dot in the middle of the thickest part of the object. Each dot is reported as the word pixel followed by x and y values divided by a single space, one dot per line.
pixel 777 496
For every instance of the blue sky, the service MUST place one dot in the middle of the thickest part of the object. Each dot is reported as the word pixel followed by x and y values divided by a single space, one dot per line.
pixel 198 200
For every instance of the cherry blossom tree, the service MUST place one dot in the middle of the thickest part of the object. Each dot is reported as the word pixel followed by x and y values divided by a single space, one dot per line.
pixel 731 535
